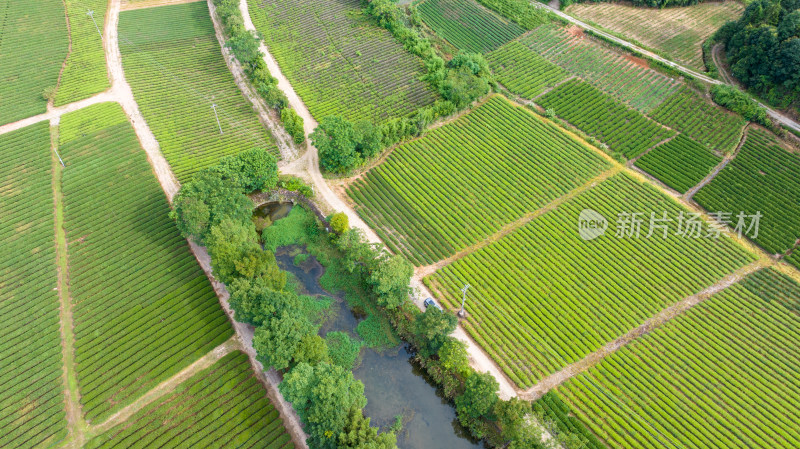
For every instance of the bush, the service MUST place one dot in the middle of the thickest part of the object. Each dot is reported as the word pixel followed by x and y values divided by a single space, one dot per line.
pixel 737 101
pixel 340 223
pixel 293 124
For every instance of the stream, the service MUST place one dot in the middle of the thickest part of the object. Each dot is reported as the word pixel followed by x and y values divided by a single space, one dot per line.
pixel 392 383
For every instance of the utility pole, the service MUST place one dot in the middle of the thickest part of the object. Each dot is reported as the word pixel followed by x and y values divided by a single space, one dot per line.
pixel 461 312
pixel 214 107
pixel 59 158
pixel 91 14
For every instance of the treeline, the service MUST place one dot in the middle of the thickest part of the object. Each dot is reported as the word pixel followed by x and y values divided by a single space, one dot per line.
pixel 214 210
pixel 344 146
pixel 737 101
pixel 763 49
pixel 245 48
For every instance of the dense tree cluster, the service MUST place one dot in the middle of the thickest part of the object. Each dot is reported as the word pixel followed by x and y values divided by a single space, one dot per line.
pixel 763 48
pixel 737 101
pixel 244 45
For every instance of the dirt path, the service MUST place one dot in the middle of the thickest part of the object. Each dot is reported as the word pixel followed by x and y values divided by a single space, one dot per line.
pixel 267 117
pixel 571 370
pixel 716 57
pixel 76 425
pixel 57 112
pixel 427 270
pixel 169 385
pixel 724 163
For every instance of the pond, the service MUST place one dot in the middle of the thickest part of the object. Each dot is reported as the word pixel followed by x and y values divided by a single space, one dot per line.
pixel 392 383
pixel 273 211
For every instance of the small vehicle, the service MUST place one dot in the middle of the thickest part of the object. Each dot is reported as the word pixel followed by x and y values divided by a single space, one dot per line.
pixel 430 302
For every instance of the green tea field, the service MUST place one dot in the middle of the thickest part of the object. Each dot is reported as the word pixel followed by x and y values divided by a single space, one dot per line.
pixel 172 61
pixel 468 25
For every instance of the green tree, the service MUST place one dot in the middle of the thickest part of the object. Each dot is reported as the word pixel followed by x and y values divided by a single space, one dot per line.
pixel 477 402
pixel 254 300
pixel 251 170
pixel 357 434
pixel 278 337
pixel 432 328
pixel 235 252
pixel 368 138
pixel 340 223
pixel 206 201
pixel 312 350
pixel 335 143
pixel 323 395
pixel 390 279
pixel 293 124
pixel 244 46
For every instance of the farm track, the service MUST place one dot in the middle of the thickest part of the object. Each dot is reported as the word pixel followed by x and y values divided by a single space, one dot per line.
pixel 777 116
pixel 427 270
pixel 724 163
pixel 130 5
pixel 168 386
pixel 76 425
pixel 665 315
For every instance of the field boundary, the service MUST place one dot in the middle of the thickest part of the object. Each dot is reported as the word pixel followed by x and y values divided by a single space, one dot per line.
pixel 427 270
pixel 726 159
pixel 665 315
pixel 76 424
pixel 167 386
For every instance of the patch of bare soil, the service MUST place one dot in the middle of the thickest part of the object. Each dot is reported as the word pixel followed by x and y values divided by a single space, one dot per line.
pixel 139 4
pixel 638 61
pixel 576 31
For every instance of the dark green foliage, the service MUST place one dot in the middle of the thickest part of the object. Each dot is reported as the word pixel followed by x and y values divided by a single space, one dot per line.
pixel 251 170
pixel 358 434
pixel 680 163
pixel 389 280
pixel 244 46
pixel 293 124
pixel 205 202
pixel 278 337
pixel 312 349
pixel 737 101
pixel 323 396
pixel 343 349
pixel 343 145
pixel 254 300
pixel 432 328
pixel 477 402
pixel 763 48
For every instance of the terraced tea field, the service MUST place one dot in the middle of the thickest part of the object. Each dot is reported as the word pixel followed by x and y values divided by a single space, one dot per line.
pixel 627 79
pixel 542 297
pixel 338 61
pixel 677 32
pixel 32 399
pixel 463 181
pixel 680 163
pixel 624 130
pixel 33 45
pixel 704 122
pixel 468 25
pixel 224 405
pixel 173 63
pixel 724 374
pixel 524 72
pixel 143 309
pixel 763 178
pixel 85 71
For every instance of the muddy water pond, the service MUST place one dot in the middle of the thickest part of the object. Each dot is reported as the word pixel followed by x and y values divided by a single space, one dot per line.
pixel 273 211
pixel 392 383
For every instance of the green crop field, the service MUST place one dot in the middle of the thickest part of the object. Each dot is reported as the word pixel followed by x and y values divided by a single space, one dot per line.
pixel 524 72
pixel 463 181
pixel 678 32
pixel 338 61
pixel 762 178
pixel 143 308
pixel 468 25
pixel 704 122
pixel 542 297
pixel 223 406
pixel 624 77
pixel 625 131
pixel 724 374
pixel 31 400
pixel 680 163
pixel 85 73
pixel 33 45
pixel 174 65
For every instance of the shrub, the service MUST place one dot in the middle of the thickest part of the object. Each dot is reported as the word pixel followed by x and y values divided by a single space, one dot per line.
pixel 340 223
